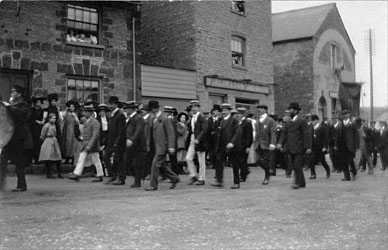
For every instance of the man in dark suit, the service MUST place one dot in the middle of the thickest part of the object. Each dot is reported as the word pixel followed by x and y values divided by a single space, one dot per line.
pixel 297 141
pixel 115 144
pixel 383 144
pixel 366 144
pixel 145 112
pixel 162 140
pixel 135 142
pixel 374 140
pixel 196 144
pixel 266 138
pixel 334 131
pixel 347 144
pixel 90 146
pixel 279 158
pixel 227 145
pixel 213 123
pixel 245 132
pixel 21 142
pixel 320 144
pixel 171 114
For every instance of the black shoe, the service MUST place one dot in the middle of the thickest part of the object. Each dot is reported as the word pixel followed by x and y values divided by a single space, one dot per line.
pixel 199 183
pixel 382 168
pixel 362 170
pixel 50 176
pixel 217 185
pixel 265 182
pixel 151 189
pixel 313 177
pixel 295 186
pixel 192 180
pixel 112 179
pixel 327 176
pixel 288 176
pixel 272 172
pixel 60 176
pixel 98 179
pixel 135 186
pixel 344 179
pixel 19 190
pixel 235 186
pixel 119 182
pixel 173 185
pixel 73 177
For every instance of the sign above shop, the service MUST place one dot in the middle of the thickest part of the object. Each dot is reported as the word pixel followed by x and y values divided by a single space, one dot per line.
pixel 247 86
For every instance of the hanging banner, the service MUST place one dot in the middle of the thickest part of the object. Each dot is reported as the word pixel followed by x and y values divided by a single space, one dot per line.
pixel 349 95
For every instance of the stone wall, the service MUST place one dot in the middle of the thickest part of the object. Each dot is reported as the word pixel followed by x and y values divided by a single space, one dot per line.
pixel 36 41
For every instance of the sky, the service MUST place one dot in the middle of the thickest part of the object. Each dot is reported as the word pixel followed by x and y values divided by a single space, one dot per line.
pixel 358 18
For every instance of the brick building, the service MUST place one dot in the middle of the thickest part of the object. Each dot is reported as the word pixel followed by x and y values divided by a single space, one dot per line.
pixel 313 54
pixel 80 50
pixel 225 45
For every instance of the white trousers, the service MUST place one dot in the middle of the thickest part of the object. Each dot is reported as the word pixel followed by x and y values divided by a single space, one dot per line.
pixel 190 161
pixel 94 157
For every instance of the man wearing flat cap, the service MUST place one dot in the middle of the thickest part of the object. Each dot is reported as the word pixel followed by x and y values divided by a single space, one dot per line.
pixel 115 144
pixel 196 144
pixel 297 141
pixel 266 138
pixel 347 145
pixel 245 132
pixel 227 146
pixel 135 143
pixel 21 142
pixel 161 141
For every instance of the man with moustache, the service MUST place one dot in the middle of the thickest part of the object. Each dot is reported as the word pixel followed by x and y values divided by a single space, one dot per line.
pixel 297 141
pixel 227 146
pixel 266 138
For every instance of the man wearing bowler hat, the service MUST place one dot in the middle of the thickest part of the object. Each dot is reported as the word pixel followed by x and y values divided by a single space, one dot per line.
pixel 196 144
pixel 115 144
pixel 297 141
pixel 162 141
pixel 227 147
pixel 266 138
pixel 21 142
pixel 135 142
pixel 347 145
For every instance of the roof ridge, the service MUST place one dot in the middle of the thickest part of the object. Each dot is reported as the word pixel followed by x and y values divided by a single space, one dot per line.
pixel 311 7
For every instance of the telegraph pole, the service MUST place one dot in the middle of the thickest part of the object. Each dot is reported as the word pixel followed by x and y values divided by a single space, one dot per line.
pixel 371 45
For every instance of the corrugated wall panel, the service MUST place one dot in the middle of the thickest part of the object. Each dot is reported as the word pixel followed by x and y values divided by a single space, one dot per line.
pixel 170 83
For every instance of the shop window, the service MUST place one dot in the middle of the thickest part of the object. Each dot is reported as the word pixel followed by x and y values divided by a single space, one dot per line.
pixel 82 24
pixel 238 48
pixel 83 89
pixel 238 7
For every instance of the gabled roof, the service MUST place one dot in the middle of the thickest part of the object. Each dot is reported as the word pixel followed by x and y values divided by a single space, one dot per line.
pixel 297 24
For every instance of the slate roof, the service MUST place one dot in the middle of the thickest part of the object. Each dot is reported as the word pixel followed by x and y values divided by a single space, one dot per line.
pixel 301 23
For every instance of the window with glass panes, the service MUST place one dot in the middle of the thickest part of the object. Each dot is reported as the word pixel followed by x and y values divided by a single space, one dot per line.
pixel 83 89
pixel 238 6
pixel 238 44
pixel 82 23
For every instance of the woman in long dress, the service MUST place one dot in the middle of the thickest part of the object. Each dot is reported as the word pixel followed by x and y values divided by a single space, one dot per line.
pixel 68 139
pixel 182 136
pixel 36 124
pixel 50 152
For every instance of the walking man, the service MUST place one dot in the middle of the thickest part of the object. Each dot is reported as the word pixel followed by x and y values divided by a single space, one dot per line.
pixel 90 146
pixel 196 144
pixel 162 140
pixel 297 142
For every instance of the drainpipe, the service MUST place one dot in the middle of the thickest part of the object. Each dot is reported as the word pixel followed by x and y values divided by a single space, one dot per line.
pixel 134 57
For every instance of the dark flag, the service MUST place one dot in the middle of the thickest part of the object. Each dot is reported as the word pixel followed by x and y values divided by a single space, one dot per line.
pixel 349 95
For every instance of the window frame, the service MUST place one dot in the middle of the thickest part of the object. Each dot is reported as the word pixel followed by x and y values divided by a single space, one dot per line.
pixel 335 54
pixel 99 25
pixel 242 41
pixel 84 78
pixel 235 10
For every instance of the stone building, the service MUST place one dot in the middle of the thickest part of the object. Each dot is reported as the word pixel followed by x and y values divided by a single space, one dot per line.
pixel 80 50
pixel 312 55
pixel 221 49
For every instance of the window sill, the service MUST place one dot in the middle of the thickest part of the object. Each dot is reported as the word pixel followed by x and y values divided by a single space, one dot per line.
pixel 235 66
pixel 86 45
pixel 238 13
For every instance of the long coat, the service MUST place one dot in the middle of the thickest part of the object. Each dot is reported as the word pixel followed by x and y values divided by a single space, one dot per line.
pixel 228 133
pixel 116 130
pixel 162 135
pixel 135 133
pixel 200 130
pixel 245 134
pixel 68 137
pixel 266 132
pixel 320 138
pixel 348 138
pixel 91 135
pixel 297 136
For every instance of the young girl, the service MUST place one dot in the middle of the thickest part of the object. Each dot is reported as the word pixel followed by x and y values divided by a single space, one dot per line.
pixel 50 152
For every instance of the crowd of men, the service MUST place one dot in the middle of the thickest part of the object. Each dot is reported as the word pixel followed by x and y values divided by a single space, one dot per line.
pixel 147 140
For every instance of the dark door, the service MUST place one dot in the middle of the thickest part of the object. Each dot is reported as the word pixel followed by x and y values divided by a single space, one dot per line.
pixel 10 79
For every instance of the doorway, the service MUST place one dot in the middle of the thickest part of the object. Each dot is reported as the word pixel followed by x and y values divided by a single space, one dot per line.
pixel 10 78
pixel 322 108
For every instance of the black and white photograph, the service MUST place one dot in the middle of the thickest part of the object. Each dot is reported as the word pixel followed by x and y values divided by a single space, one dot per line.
pixel 194 124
